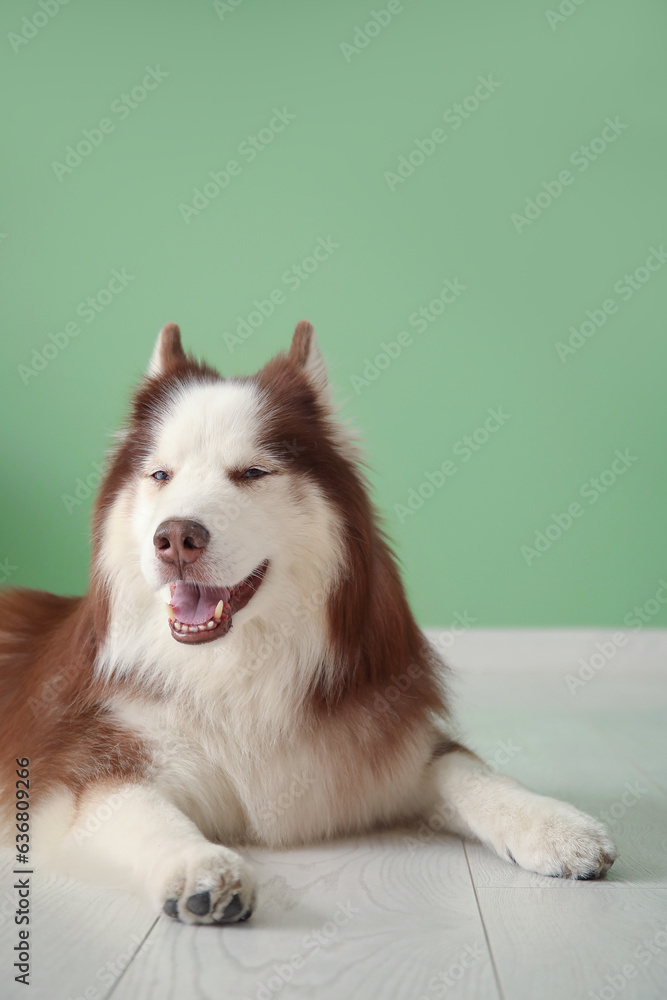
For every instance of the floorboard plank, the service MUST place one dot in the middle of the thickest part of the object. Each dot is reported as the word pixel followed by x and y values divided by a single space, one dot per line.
pixel 562 755
pixel 409 924
pixel 642 738
pixel 595 945
pixel 81 937
pixel 407 914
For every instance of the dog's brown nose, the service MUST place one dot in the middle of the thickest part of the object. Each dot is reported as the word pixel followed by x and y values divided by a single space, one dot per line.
pixel 180 541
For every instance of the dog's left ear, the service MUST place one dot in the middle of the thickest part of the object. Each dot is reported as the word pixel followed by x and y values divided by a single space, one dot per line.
pixel 168 352
pixel 305 353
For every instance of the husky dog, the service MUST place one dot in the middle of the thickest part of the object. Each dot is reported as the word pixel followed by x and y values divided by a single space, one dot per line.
pixel 225 681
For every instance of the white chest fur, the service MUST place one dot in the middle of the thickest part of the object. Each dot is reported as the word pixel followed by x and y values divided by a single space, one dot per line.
pixel 245 783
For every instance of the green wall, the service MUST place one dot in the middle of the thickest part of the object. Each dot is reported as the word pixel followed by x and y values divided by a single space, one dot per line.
pixel 362 152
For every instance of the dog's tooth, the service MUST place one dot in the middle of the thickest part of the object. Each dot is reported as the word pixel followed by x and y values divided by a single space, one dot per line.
pixel 210 624
pixel 201 628
pixel 170 613
pixel 178 626
pixel 218 611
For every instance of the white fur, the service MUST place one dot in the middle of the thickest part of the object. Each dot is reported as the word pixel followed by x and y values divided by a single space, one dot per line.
pixel 538 833
pixel 233 761
pixel 133 836
pixel 210 431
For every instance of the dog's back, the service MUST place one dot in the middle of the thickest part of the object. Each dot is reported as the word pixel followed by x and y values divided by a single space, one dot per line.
pixel 29 620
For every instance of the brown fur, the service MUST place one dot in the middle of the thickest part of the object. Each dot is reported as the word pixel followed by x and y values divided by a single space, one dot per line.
pixel 445 746
pixel 373 636
pixel 52 706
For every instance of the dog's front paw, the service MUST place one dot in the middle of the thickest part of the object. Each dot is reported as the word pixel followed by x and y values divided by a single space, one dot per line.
pixel 553 838
pixel 204 885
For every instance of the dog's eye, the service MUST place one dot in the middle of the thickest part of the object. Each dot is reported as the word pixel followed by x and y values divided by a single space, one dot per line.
pixel 161 476
pixel 254 473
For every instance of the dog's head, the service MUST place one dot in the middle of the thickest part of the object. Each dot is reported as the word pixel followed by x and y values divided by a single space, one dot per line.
pixel 227 498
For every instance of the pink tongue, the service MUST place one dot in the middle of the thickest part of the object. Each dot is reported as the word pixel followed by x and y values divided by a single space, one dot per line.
pixel 195 605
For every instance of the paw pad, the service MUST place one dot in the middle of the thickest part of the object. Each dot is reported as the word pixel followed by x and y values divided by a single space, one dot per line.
pixel 209 885
pixel 232 910
pixel 199 904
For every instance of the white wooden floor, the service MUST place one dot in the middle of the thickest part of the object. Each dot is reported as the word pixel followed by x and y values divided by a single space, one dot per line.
pixel 391 918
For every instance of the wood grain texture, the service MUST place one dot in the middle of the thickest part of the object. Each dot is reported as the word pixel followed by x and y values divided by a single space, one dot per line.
pixel 81 937
pixel 416 919
pixel 408 922
pixel 569 945
pixel 565 756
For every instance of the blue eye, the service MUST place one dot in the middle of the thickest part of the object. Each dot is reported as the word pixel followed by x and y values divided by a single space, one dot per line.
pixel 161 476
pixel 254 473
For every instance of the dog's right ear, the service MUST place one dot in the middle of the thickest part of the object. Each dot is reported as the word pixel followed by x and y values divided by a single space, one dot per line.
pixel 168 352
pixel 305 353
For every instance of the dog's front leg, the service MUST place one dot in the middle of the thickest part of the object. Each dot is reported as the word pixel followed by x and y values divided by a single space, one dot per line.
pixel 134 835
pixel 540 834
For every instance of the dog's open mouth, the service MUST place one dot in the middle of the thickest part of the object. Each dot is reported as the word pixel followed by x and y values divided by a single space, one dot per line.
pixel 199 613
